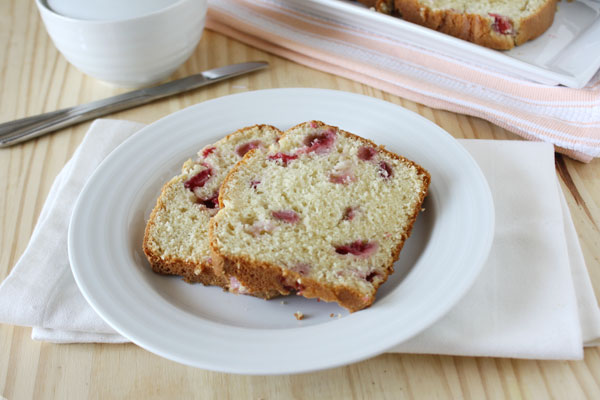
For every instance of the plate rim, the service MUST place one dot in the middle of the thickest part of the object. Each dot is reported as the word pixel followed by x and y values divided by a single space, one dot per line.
pixel 125 331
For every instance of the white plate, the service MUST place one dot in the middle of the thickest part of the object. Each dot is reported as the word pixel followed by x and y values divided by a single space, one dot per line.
pixel 568 53
pixel 208 328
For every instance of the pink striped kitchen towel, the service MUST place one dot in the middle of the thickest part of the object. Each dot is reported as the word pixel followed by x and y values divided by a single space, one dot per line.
pixel 568 118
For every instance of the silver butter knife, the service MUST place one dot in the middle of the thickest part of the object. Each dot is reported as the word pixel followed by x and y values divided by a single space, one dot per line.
pixel 28 128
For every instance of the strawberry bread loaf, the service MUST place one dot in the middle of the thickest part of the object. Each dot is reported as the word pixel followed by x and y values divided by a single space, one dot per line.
pixel 497 24
pixel 324 213
pixel 176 237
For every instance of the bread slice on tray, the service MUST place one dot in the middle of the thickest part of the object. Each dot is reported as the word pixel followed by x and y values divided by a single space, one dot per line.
pixel 323 213
pixel 176 237
pixel 497 24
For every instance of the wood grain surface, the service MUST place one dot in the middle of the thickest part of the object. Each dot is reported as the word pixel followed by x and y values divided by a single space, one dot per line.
pixel 35 78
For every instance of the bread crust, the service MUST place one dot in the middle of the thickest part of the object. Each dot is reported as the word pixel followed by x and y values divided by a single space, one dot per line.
pixel 263 277
pixel 474 28
pixel 191 271
pixel 536 24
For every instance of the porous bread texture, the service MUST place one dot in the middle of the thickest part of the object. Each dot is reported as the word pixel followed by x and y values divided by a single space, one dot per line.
pixel 497 24
pixel 176 236
pixel 324 213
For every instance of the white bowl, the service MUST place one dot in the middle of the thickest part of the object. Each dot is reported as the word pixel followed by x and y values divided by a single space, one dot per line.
pixel 129 52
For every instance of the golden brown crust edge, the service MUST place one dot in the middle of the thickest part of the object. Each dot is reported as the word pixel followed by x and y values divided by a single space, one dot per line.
pixel 192 272
pixel 264 277
pixel 204 273
pixel 536 24
pixel 255 126
pixel 473 27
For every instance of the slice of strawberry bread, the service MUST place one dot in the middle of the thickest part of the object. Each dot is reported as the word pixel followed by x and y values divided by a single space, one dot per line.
pixel 176 237
pixel 323 213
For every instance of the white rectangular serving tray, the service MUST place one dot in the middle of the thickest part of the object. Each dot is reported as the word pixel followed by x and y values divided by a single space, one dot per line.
pixel 568 53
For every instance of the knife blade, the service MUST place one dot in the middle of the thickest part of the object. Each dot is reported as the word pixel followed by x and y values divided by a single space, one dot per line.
pixel 20 130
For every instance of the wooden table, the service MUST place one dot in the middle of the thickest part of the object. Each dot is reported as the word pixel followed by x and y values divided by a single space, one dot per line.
pixel 35 78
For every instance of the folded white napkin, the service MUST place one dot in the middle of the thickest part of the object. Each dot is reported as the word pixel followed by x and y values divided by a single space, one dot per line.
pixel 533 298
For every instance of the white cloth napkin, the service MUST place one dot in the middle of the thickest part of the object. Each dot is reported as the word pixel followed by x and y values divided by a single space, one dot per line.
pixel 533 299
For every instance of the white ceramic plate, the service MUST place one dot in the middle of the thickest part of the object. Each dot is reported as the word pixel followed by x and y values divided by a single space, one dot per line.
pixel 208 328
pixel 568 53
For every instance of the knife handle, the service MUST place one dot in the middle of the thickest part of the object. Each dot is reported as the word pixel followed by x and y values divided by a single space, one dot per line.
pixel 20 130
pixel 28 128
